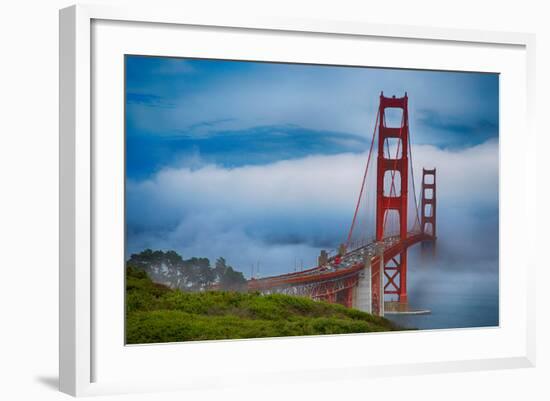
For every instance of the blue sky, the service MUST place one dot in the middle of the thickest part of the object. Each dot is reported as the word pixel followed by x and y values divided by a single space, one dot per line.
pixel 236 113
pixel 261 162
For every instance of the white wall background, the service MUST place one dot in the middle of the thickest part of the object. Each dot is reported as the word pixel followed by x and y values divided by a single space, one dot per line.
pixel 29 186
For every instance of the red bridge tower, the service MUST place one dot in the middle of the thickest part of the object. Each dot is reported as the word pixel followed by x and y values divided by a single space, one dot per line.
pixel 428 205
pixel 387 199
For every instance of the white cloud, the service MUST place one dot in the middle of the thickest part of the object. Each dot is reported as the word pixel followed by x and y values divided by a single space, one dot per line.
pixel 240 213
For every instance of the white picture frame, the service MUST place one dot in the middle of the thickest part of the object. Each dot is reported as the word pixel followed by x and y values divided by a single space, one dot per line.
pixel 78 222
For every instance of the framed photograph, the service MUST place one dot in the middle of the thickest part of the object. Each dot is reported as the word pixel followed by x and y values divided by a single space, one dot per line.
pixel 236 191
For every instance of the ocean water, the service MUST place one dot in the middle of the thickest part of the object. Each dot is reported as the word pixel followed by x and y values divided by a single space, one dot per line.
pixel 457 298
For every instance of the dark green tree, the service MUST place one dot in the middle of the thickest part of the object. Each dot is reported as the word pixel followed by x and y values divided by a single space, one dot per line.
pixel 228 278
pixel 194 274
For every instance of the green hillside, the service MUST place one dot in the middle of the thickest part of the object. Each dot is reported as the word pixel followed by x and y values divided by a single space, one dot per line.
pixel 157 314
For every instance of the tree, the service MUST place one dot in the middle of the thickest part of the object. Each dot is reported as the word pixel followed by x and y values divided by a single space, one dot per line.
pixel 220 267
pixel 194 274
pixel 228 278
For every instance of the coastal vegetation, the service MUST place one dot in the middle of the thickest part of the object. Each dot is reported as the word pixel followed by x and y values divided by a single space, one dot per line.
pixel 156 313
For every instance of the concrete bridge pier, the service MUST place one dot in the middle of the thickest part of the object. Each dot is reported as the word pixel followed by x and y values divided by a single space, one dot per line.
pixel 362 297
pixel 368 294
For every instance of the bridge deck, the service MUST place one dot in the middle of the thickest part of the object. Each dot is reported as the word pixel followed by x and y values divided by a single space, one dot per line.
pixel 350 264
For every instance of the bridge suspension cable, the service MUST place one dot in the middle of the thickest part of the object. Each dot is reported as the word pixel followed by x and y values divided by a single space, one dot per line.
pixel 364 178
pixel 414 187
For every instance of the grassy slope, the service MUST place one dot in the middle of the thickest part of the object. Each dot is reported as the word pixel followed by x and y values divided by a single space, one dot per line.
pixel 157 314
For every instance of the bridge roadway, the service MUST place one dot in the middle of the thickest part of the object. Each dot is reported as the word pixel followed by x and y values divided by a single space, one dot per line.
pixel 350 264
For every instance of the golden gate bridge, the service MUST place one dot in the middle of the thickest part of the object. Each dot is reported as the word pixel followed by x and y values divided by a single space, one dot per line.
pixel 366 270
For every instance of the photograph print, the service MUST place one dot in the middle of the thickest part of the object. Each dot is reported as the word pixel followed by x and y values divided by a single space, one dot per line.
pixel 271 199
